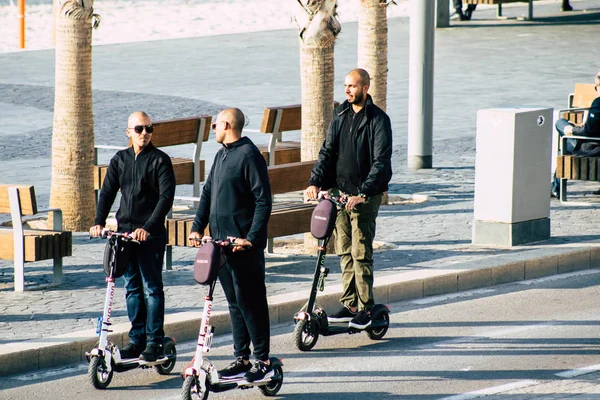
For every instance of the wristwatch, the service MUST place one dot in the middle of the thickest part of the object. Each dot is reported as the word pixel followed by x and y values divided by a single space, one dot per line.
pixel 364 196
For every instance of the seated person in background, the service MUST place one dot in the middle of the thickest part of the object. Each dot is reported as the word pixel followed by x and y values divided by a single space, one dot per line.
pixel 591 127
pixel 458 12
pixel 566 6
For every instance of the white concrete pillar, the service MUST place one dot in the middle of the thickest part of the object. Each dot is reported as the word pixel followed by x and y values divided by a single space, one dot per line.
pixel 512 188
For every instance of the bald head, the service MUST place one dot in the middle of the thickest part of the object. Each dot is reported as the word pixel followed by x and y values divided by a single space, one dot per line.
pixel 137 116
pixel 361 75
pixel 235 118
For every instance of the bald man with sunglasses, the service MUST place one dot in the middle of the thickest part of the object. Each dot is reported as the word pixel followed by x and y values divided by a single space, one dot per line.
pixel 146 179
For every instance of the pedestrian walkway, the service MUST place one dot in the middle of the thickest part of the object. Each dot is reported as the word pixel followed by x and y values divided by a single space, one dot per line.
pixel 424 240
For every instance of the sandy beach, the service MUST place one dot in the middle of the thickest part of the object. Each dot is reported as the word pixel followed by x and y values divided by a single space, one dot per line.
pixel 133 20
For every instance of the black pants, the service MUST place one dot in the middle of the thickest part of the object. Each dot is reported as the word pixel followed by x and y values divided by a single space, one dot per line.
pixel 243 281
pixel 458 5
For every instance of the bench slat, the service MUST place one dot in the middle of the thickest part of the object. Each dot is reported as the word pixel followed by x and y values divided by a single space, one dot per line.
pixel 26 198
pixel 290 177
pixel 39 245
pixel 285 152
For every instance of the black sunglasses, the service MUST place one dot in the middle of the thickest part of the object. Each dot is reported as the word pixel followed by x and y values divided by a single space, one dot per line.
pixel 140 128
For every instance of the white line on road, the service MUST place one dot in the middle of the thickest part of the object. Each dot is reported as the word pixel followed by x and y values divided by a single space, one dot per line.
pixel 579 371
pixel 444 297
pixel 558 277
pixel 49 373
pixel 493 390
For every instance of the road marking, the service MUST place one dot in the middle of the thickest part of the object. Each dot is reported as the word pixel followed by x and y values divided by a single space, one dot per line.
pixel 451 296
pixel 558 277
pixel 49 373
pixel 579 371
pixel 493 390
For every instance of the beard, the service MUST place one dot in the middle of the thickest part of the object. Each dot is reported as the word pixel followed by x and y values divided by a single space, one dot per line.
pixel 358 98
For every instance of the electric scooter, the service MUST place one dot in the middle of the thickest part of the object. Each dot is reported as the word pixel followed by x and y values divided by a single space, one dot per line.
pixel 106 357
pixel 312 321
pixel 201 377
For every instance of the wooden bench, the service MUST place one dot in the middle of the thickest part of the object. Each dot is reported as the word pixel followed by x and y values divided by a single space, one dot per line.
pixel 188 171
pixel 499 3
pixel 28 245
pixel 570 167
pixel 287 217
pixel 277 120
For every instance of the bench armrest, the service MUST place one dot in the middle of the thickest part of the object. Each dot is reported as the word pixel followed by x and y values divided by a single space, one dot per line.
pixel 573 109
pixel 187 198
pixel 108 147
pixel 57 217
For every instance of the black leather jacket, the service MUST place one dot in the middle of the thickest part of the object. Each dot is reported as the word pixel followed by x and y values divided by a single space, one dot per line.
pixel 374 162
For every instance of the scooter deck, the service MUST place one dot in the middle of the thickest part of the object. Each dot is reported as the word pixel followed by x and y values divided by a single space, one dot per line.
pixel 240 381
pixel 140 362
pixel 335 328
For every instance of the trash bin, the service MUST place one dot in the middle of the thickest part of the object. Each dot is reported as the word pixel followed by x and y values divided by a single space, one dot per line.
pixel 512 166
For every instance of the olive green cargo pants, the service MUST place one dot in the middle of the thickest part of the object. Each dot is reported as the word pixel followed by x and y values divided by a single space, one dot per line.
pixel 354 234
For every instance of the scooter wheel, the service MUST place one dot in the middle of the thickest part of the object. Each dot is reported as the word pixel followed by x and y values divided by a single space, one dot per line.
pixel 171 352
pixel 191 390
pixel 306 334
pixel 273 388
pixel 379 332
pixel 98 374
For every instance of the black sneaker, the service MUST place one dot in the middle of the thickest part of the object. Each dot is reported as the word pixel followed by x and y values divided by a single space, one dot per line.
pixel 234 369
pixel 132 350
pixel 361 321
pixel 258 371
pixel 152 353
pixel 342 315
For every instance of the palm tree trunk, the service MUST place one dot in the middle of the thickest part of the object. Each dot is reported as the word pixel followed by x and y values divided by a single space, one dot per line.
pixel 373 47
pixel 373 50
pixel 317 30
pixel 73 130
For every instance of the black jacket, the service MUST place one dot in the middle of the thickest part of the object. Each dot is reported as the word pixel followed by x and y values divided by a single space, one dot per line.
pixel 374 162
pixel 236 198
pixel 147 185
pixel 591 127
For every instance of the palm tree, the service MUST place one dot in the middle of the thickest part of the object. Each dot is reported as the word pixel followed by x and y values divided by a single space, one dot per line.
pixel 72 187
pixel 317 29
pixel 373 50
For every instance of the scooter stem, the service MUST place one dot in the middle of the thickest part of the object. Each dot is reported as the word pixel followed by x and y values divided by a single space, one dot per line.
pixel 322 246
pixel 108 303
pixel 205 334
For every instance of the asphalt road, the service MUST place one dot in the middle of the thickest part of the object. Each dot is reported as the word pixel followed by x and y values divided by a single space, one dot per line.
pixel 513 338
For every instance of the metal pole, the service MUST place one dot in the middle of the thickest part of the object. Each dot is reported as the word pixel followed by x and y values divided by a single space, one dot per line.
pixel 442 14
pixel 22 24
pixel 420 89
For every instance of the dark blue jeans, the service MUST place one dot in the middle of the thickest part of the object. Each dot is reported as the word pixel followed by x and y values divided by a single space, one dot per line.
pixel 144 291
pixel 243 281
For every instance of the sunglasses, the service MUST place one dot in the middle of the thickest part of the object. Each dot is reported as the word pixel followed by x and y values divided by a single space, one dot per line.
pixel 215 124
pixel 140 128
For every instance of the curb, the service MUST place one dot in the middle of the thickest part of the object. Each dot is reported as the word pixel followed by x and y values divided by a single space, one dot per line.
pixel 536 263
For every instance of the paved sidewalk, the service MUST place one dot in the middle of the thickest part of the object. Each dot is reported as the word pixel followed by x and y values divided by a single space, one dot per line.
pixel 425 246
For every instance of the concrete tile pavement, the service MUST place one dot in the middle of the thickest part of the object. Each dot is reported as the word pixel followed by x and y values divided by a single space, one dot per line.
pixel 428 247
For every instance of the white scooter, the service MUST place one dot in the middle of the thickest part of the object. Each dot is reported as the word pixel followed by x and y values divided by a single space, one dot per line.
pixel 106 357
pixel 201 376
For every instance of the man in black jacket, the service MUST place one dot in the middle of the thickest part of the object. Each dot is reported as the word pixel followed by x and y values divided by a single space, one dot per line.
pixel 581 147
pixel 236 201
pixel 355 160
pixel 146 179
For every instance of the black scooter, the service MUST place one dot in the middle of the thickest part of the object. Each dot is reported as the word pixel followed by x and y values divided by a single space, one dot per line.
pixel 106 357
pixel 312 321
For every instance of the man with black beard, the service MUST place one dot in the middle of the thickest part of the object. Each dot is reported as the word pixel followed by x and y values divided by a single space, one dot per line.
pixel 355 160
